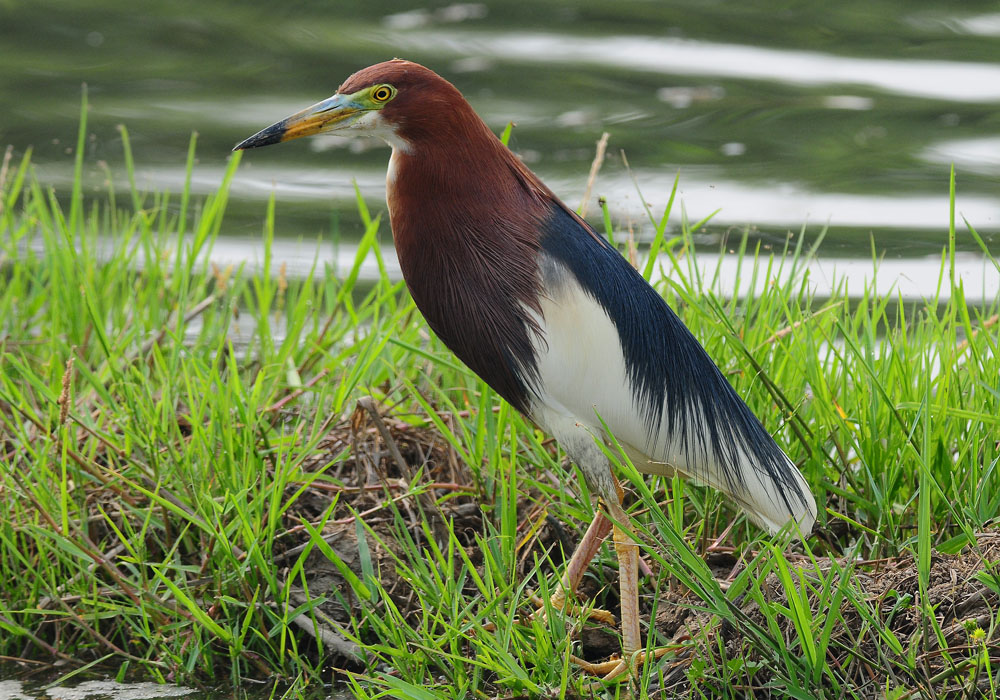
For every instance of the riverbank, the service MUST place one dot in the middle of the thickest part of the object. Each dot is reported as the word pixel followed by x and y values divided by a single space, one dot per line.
pixel 212 474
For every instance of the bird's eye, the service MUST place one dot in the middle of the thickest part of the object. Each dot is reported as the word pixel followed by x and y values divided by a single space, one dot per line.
pixel 383 93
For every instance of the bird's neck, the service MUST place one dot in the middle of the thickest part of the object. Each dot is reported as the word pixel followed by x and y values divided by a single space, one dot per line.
pixel 456 168
pixel 461 185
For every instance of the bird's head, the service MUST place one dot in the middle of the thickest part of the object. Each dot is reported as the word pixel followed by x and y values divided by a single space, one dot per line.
pixel 399 101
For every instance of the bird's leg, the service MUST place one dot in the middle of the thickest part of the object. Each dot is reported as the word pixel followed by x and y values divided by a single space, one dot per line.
pixel 578 441
pixel 628 581
pixel 582 556
pixel 627 551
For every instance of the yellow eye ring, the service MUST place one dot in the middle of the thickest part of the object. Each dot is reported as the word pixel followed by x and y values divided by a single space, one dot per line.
pixel 383 93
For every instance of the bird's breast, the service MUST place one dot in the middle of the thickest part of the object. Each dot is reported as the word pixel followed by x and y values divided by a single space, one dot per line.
pixel 474 277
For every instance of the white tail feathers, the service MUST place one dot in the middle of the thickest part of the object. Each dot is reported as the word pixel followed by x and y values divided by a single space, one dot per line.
pixel 772 504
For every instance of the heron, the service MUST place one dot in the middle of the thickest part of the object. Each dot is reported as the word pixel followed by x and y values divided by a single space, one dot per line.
pixel 553 318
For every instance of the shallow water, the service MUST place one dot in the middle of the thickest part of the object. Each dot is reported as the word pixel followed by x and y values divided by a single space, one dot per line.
pixel 777 116
pixel 94 690
pixel 114 690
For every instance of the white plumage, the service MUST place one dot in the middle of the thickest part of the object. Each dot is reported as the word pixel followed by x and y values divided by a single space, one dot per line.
pixel 583 380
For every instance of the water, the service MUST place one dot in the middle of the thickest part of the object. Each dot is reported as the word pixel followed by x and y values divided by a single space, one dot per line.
pixel 777 116
pixel 115 690
pixel 95 690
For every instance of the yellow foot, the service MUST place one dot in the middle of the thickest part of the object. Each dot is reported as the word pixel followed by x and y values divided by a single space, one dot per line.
pixel 558 602
pixel 615 668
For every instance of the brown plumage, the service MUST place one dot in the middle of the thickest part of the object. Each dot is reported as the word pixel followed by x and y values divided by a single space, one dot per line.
pixel 479 216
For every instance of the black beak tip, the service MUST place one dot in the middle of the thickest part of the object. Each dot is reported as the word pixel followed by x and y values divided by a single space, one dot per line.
pixel 264 137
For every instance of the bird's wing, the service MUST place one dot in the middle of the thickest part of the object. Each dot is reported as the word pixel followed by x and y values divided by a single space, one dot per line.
pixel 610 349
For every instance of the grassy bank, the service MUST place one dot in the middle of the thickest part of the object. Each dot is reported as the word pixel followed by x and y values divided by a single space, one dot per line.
pixel 335 498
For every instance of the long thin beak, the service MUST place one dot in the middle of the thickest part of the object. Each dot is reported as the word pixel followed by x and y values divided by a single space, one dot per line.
pixel 327 115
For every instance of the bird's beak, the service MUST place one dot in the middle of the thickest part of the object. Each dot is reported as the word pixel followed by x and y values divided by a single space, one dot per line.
pixel 337 112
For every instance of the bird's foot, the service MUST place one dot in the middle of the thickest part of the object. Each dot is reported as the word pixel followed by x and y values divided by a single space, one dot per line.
pixel 558 601
pixel 620 668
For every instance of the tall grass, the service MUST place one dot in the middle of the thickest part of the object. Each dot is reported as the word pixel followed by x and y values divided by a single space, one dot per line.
pixel 175 442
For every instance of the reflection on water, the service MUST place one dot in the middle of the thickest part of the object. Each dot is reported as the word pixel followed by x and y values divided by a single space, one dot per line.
pixel 910 279
pixel 12 690
pixel 971 155
pixel 943 80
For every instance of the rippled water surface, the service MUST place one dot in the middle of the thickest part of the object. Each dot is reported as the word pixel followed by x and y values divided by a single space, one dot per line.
pixel 776 115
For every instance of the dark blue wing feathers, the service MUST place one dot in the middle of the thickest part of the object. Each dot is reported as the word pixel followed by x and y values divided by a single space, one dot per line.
pixel 667 367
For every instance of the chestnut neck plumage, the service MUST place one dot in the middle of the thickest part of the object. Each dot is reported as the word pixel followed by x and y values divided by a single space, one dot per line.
pixel 466 221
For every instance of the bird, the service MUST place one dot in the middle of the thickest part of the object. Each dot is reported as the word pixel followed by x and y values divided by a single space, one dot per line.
pixel 553 318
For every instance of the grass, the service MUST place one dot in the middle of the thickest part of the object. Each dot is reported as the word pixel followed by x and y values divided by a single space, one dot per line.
pixel 334 498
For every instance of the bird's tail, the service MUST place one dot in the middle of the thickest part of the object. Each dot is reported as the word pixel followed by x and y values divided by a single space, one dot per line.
pixel 731 450
pixel 773 496
pixel 765 484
